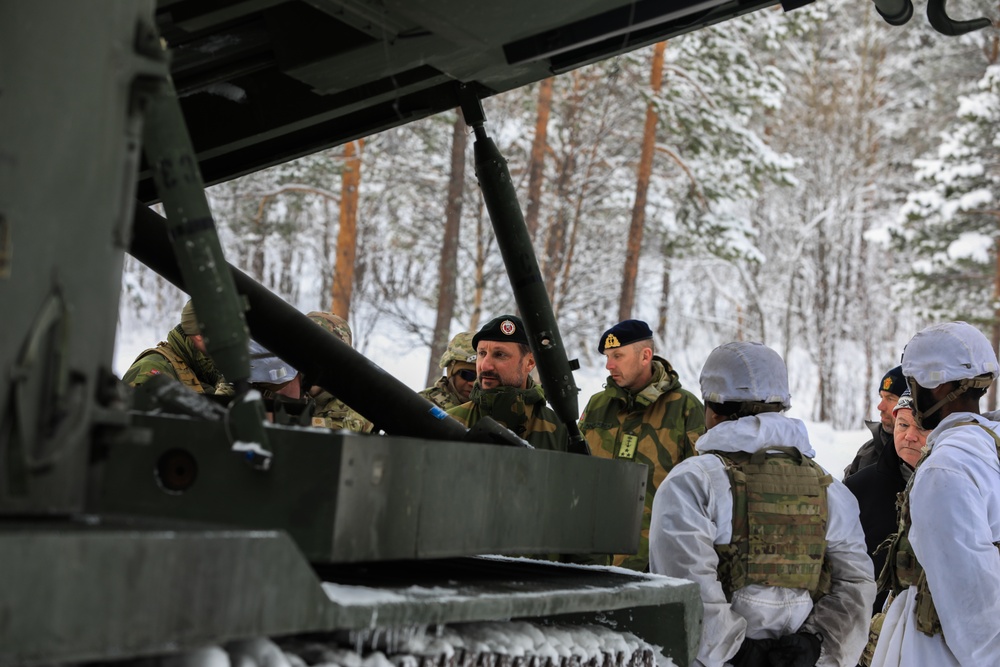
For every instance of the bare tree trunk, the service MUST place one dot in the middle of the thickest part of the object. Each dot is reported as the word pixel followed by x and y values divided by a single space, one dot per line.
pixel 555 242
pixel 662 318
pixel 347 237
pixel 536 170
pixel 479 282
pixel 822 310
pixel 448 267
pixel 327 283
pixel 257 261
pixel 630 271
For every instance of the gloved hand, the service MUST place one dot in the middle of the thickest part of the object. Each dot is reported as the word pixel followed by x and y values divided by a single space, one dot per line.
pixel 753 653
pixel 798 650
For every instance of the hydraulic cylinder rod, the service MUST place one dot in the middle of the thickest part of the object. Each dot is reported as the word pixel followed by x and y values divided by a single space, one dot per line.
pixel 554 368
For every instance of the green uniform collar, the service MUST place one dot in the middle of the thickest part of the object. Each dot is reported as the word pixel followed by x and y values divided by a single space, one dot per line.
pixel 665 379
pixel 488 398
pixel 201 364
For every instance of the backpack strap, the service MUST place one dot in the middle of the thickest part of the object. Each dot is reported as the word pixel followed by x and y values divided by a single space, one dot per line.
pixel 186 376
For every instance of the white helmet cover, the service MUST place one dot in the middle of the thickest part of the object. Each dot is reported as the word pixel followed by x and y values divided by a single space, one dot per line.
pixel 947 353
pixel 745 372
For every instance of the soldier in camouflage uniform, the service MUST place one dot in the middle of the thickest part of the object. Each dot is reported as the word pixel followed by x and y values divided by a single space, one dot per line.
pixel 280 385
pixel 454 387
pixel 330 411
pixel 772 540
pixel 642 415
pixel 183 356
pixel 505 391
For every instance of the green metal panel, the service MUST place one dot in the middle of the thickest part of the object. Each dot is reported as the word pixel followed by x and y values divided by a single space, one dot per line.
pixel 100 589
pixel 350 498
pixel 68 160
pixel 103 590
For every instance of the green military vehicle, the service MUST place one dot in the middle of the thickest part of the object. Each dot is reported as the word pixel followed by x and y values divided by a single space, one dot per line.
pixel 156 523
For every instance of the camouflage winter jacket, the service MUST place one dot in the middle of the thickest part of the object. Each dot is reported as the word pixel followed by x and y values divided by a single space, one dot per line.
pixel 441 394
pixel 523 411
pixel 657 426
pixel 333 413
pixel 178 358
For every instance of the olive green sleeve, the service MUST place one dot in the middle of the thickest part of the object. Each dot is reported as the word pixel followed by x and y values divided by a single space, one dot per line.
pixel 148 367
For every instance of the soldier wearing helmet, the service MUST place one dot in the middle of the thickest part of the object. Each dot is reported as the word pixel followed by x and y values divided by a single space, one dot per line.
pixel 944 565
pixel 183 356
pixel 772 540
pixel 459 363
pixel 280 385
pixel 330 411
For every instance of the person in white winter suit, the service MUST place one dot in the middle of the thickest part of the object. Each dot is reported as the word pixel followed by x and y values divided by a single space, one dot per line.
pixel 954 511
pixel 745 388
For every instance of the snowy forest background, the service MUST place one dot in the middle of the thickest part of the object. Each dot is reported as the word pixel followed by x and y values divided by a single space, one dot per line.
pixel 817 180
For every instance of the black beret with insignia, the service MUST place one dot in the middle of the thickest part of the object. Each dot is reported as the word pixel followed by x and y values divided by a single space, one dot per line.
pixel 624 333
pixel 893 381
pixel 506 329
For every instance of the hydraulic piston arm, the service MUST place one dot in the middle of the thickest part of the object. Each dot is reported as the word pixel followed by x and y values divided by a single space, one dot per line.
pixel 554 368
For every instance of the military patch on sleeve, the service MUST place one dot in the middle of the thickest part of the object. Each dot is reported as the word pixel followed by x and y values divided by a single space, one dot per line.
pixel 153 371
pixel 626 450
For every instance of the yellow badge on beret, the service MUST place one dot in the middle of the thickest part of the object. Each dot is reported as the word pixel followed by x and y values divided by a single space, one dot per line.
pixel 886 383
pixel 611 341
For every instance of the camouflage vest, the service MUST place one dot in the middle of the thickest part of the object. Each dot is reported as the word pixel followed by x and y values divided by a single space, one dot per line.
pixel 186 376
pixel 780 516
pixel 902 569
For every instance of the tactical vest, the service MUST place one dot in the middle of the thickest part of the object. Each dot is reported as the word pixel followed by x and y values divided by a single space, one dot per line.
pixel 186 376
pixel 780 515
pixel 902 569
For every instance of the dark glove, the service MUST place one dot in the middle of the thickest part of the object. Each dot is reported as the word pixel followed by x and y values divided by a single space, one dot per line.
pixel 753 653
pixel 798 650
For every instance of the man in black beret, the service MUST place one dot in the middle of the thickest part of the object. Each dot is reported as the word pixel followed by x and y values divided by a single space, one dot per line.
pixel 504 389
pixel 890 388
pixel 642 415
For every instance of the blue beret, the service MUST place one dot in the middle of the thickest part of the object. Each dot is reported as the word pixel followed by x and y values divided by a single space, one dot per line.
pixel 505 329
pixel 624 333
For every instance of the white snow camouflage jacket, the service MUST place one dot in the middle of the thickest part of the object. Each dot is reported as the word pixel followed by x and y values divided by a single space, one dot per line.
pixel 693 511
pixel 955 513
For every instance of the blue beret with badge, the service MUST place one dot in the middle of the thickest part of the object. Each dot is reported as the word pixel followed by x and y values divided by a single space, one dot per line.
pixel 624 333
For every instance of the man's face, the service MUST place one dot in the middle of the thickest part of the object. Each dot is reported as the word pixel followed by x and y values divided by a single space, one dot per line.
pixel 629 365
pixel 462 377
pixel 887 402
pixel 199 344
pixel 908 437
pixel 501 364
